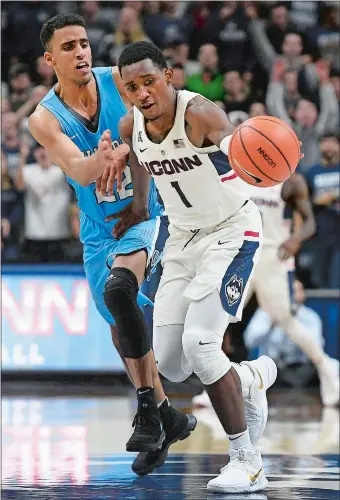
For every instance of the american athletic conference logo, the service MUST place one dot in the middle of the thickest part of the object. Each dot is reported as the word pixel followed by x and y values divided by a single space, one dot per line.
pixel 234 289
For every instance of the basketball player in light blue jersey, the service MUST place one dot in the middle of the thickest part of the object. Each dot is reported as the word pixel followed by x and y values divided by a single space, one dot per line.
pixel 77 122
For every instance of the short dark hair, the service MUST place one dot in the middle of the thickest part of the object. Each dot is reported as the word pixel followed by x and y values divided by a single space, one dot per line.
pixel 57 23
pixel 139 51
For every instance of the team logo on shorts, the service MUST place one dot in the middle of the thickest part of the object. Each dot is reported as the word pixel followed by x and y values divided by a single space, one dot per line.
pixel 233 289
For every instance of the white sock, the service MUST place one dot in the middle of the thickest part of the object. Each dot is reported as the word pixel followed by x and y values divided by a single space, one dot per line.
pixel 300 336
pixel 239 441
pixel 246 377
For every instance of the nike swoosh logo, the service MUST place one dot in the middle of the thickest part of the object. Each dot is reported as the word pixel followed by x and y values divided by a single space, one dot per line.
pixel 74 136
pixel 261 385
pixel 222 242
pixel 143 392
pixel 142 150
pixel 204 343
pixel 255 476
pixel 256 179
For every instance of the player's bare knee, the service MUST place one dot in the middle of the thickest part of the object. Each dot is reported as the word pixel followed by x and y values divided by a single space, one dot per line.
pixel 203 351
pixel 120 296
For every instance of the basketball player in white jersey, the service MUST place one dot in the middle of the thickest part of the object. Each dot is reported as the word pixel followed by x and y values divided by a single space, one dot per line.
pixel 273 276
pixel 182 139
pixel 272 279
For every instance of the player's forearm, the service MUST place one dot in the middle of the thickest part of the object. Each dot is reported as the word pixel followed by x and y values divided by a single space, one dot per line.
pixel 306 231
pixel 141 185
pixel 84 171
pixel 141 194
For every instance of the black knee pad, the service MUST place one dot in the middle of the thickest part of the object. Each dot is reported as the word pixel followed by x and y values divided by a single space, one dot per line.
pixel 120 296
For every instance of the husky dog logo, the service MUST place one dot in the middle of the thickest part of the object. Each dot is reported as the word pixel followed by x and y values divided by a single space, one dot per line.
pixel 233 289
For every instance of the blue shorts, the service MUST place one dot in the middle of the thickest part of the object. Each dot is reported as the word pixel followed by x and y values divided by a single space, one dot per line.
pixel 99 254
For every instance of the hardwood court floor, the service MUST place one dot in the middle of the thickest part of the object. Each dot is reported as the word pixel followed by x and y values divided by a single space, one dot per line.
pixel 73 448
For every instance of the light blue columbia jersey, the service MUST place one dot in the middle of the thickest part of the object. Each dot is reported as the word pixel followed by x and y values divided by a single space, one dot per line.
pixel 86 136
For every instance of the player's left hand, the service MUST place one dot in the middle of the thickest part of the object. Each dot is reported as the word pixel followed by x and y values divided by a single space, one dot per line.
pixel 127 218
pixel 289 248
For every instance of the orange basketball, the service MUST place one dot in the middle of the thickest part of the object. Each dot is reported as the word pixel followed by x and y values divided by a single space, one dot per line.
pixel 264 151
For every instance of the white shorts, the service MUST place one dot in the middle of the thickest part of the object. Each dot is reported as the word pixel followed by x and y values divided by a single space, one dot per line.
pixel 200 261
pixel 273 283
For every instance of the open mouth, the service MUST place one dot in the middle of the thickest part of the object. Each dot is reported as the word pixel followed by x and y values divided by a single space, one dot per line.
pixel 82 66
pixel 147 106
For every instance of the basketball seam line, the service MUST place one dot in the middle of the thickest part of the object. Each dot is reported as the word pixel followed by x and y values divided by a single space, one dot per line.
pixel 275 146
pixel 275 180
pixel 283 124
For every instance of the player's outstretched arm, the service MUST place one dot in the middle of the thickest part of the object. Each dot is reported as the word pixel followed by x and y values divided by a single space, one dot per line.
pixel 138 210
pixel 208 121
pixel 63 152
pixel 295 193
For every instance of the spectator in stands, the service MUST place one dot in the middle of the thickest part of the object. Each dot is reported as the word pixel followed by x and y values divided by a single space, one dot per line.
pixel 292 49
pixel 177 52
pixel 272 341
pixel 289 79
pixel 129 29
pixel 227 29
pixel 308 125
pixel 292 94
pixel 199 12
pixel 257 109
pixel 178 77
pixel 96 28
pixel 163 22
pixel 20 40
pixel 326 38
pixel 324 184
pixel 20 85
pixel 209 82
pixel 237 95
pixel 47 201
pixel 11 214
pixel 46 74
pixel 278 26
pixel 304 14
pixel 10 142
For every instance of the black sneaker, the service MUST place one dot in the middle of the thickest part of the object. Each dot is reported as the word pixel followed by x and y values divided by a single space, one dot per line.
pixel 148 435
pixel 177 426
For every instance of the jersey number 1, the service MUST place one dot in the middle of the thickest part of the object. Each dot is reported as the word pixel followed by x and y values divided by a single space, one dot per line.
pixel 185 200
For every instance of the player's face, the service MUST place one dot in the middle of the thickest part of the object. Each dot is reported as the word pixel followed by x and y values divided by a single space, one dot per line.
pixel 147 88
pixel 70 54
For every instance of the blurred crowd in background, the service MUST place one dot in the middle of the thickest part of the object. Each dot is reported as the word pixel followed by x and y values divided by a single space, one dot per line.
pixel 251 58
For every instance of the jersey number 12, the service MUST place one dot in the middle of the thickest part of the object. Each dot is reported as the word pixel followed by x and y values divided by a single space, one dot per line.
pixel 125 192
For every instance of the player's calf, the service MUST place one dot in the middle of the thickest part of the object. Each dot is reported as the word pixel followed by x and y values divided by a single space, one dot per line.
pixel 120 295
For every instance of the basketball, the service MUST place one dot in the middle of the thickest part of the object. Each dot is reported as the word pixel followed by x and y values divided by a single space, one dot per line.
pixel 264 151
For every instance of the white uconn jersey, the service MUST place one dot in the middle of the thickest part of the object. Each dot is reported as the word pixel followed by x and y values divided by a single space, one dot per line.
pixel 276 216
pixel 197 185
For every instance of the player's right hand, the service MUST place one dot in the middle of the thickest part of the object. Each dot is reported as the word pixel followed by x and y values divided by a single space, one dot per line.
pixel 114 161
pixel 127 218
